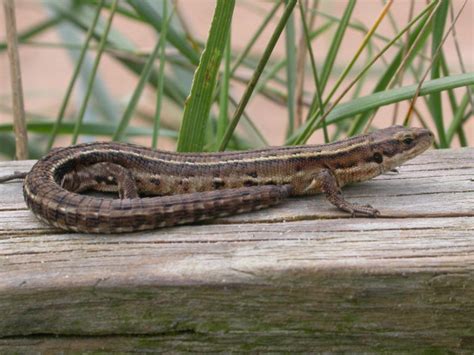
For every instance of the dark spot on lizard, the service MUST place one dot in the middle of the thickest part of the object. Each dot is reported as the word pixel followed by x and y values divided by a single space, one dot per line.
pixel 253 174
pixel 346 164
pixel 105 180
pixel 184 183
pixel 155 181
pixel 249 183
pixel 217 183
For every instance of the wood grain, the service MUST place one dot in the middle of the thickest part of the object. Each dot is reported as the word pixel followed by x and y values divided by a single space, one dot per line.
pixel 295 277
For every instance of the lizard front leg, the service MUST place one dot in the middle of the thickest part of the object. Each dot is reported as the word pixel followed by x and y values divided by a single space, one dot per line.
pixel 327 183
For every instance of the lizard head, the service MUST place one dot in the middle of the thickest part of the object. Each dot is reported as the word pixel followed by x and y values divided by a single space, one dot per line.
pixel 394 145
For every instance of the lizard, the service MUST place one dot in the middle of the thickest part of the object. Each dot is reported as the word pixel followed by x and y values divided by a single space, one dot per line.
pixel 160 189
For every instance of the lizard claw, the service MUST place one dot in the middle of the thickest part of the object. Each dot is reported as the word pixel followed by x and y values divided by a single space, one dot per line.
pixel 364 210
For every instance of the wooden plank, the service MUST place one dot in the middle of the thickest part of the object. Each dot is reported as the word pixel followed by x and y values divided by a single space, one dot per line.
pixel 223 251
pixel 296 277
pixel 185 341
pixel 339 312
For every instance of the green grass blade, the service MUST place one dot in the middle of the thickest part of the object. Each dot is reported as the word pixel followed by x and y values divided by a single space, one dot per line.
pixel 403 61
pixel 171 89
pixel 336 44
pixel 122 9
pixel 256 36
pixel 454 107
pixel 256 75
pixel 360 27
pixel 367 103
pixel 379 99
pixel 437 53
pixel 102 106
pixel 417 36
pixel 81 16
pixel 127 115
pixel 254 136
pixel 318 93
pixel 34 31
pixel 290 47
pixel 152 17
pixel 457 121
pixel 436 108
pixel 161 75
pixel 132 62
pixel 75 75
pixel 180 23
pixel 223 119
pixel 316 117
pixel 271 74
pixel 198 105
pixel 88 128
pixel 93 74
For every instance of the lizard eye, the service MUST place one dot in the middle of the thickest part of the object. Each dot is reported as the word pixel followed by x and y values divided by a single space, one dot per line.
pixel 407 140
pixel 378 158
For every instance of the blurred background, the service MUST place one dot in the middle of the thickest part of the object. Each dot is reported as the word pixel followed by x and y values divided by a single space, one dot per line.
pixel 53 33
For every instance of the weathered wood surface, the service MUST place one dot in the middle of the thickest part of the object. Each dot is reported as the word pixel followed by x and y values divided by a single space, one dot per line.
pixel 298 277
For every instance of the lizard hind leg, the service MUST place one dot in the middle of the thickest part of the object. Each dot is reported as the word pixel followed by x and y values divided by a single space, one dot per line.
pixel 333 193
pixel 103 176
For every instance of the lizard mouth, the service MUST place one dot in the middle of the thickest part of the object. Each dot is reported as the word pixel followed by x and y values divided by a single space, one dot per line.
pixel 424 139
